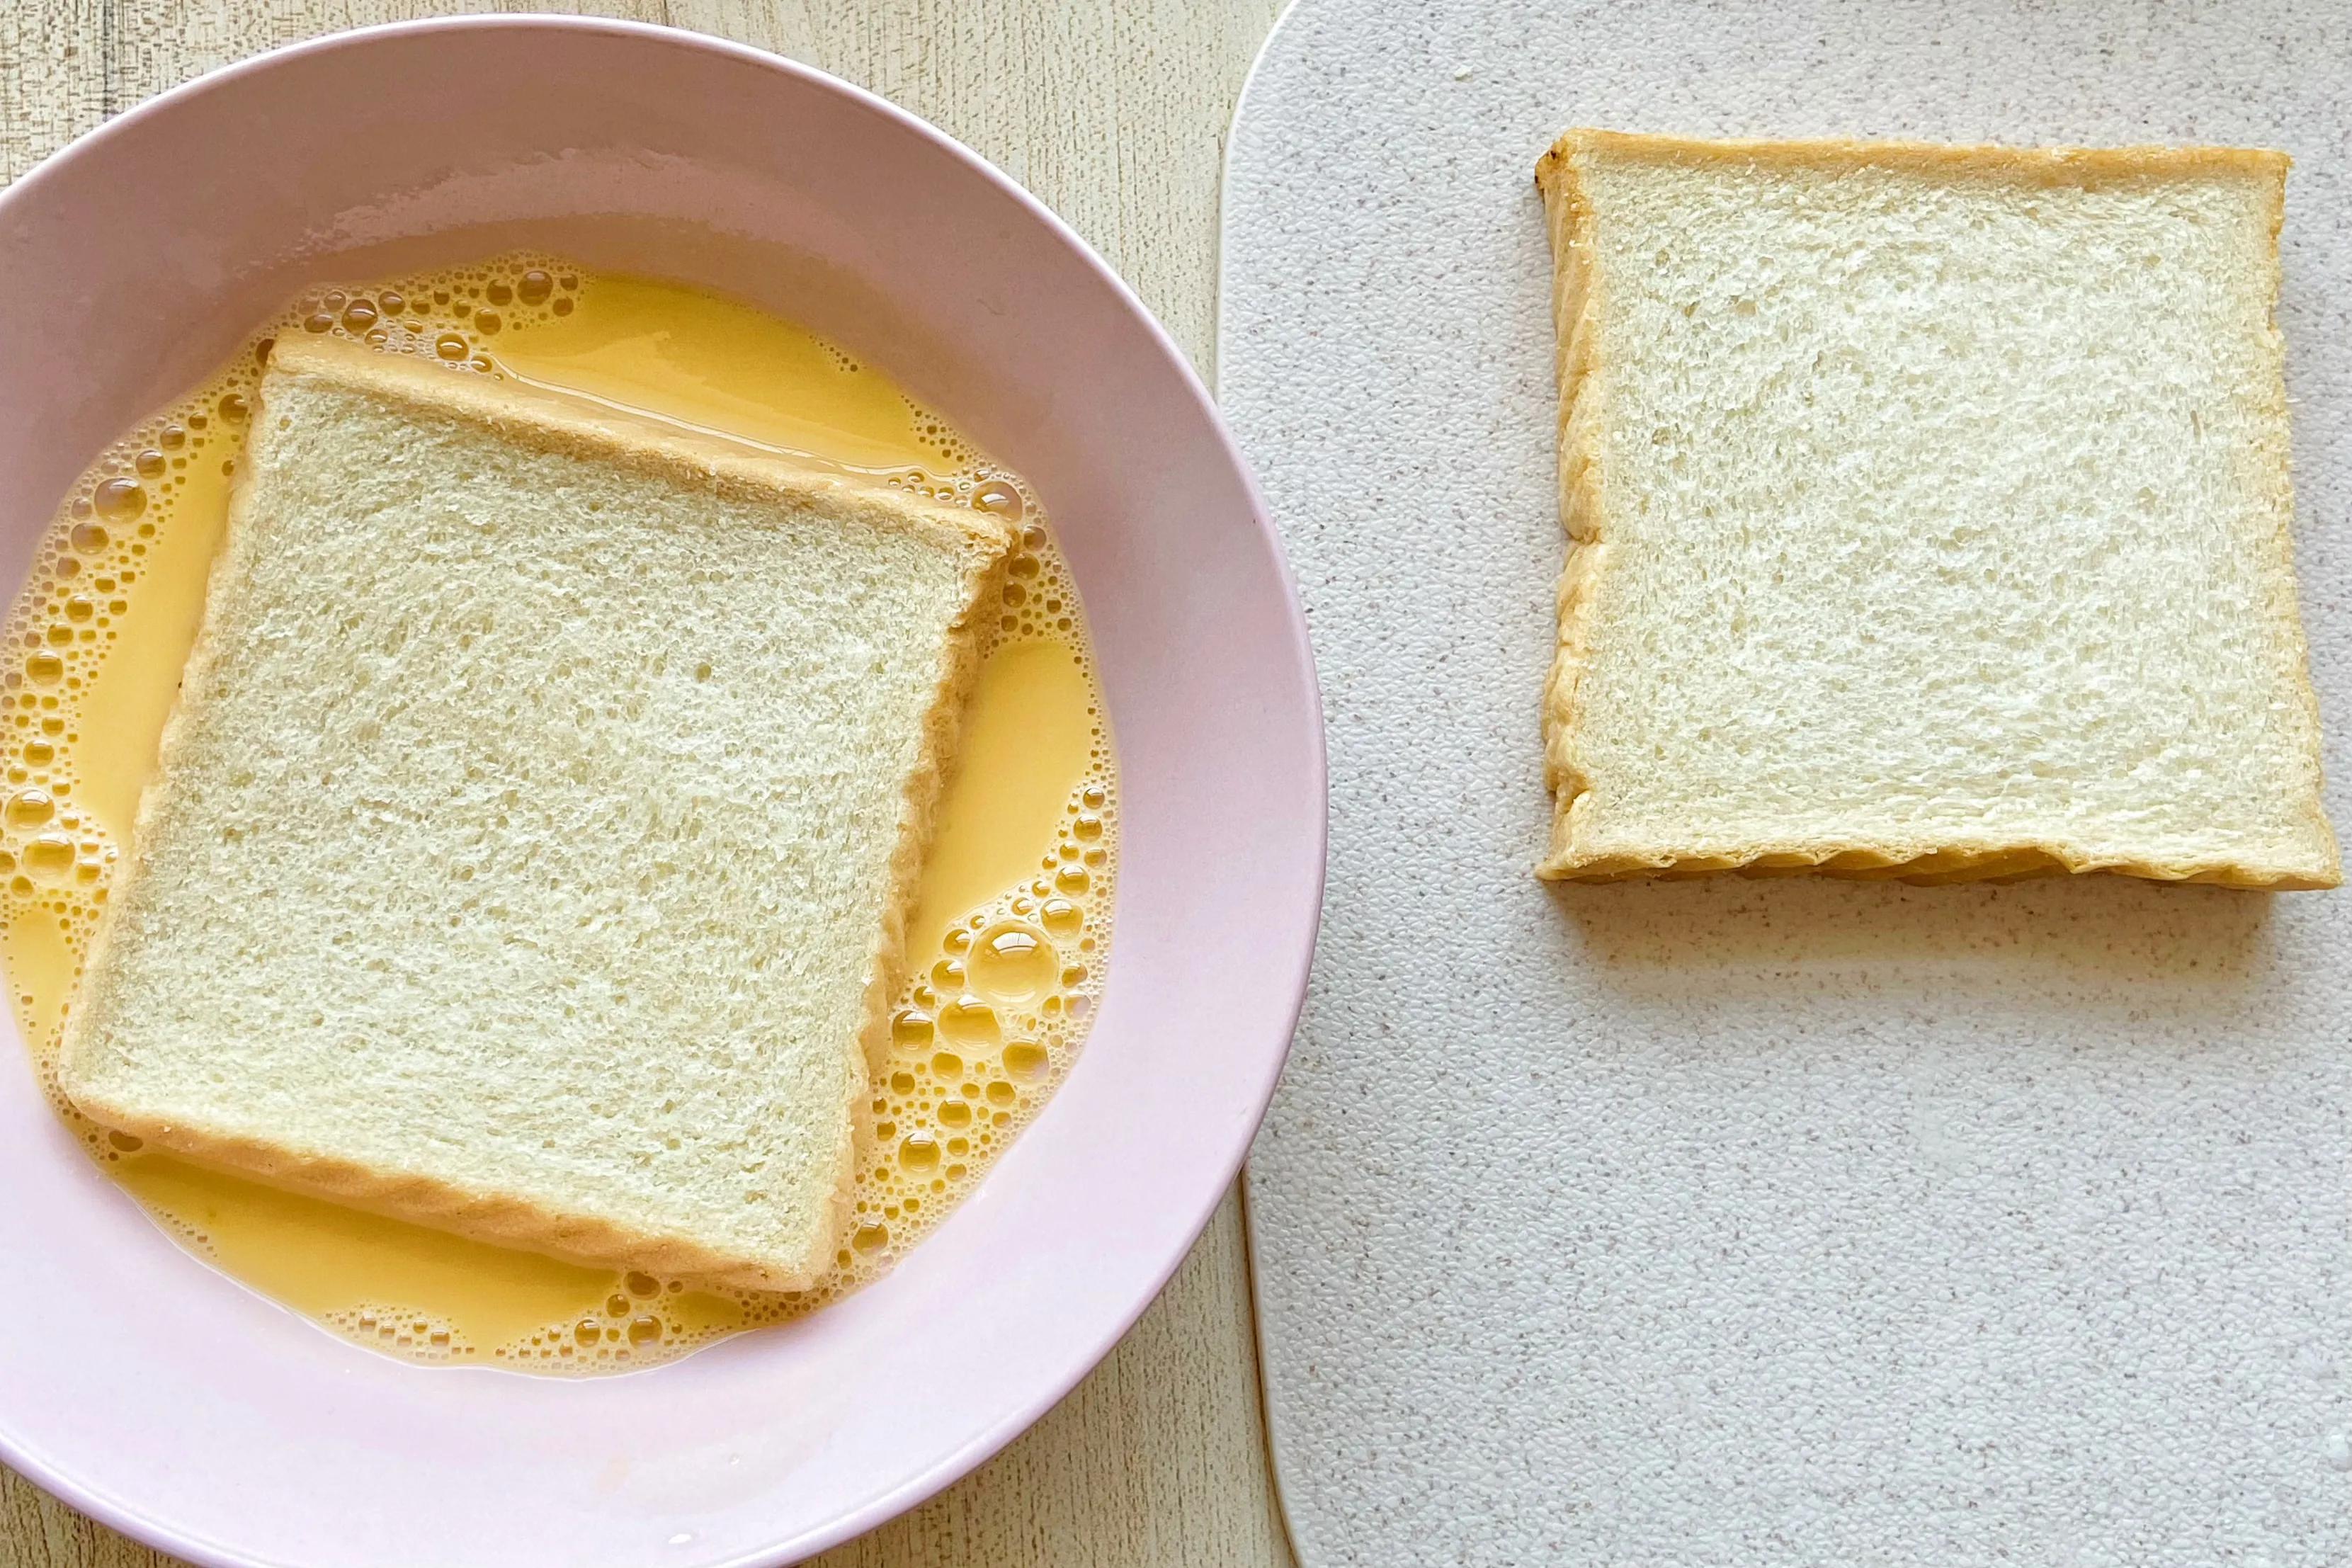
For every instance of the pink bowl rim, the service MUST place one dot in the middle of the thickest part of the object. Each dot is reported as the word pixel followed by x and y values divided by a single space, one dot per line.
pixel 122 1515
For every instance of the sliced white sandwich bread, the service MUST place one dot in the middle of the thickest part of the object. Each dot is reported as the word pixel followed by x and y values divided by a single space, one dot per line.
pixel 1929 515
pixel 528 852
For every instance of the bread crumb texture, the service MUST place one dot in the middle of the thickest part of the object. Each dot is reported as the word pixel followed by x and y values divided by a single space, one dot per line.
pixel 1929 515
pixel 530 841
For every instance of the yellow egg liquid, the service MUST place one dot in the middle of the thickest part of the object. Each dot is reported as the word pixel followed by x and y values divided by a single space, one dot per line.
pixel 1005 947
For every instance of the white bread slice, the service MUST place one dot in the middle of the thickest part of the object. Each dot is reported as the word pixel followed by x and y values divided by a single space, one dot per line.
pixel 1929 513
pixel 528 852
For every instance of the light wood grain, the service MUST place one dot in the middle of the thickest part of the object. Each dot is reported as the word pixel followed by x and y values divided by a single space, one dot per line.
pixel 1113 111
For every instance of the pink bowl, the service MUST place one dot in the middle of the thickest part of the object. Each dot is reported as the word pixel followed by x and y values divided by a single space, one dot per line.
pixel 175 1405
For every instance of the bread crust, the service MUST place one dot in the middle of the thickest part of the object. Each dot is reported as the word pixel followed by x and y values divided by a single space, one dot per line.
pixel 2058 165
pixel 552 422
pixel 1578 294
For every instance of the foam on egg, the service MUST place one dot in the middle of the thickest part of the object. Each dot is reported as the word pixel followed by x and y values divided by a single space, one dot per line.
pixel 988 1017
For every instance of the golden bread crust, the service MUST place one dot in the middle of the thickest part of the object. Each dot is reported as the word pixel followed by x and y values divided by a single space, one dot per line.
pixel 578 428
pixel 1577 297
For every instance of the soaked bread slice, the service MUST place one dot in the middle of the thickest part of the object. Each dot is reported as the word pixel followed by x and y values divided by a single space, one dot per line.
pixel 529 851
pixel 1928 514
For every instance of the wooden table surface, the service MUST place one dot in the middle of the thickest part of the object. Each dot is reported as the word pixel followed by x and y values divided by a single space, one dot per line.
pixel 1114 113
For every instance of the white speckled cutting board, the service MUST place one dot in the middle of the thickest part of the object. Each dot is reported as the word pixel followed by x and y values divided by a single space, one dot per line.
pixel 1733 1222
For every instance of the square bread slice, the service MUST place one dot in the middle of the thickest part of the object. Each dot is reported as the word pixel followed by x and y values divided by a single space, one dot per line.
pixel 528 852
pixel 1928 514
